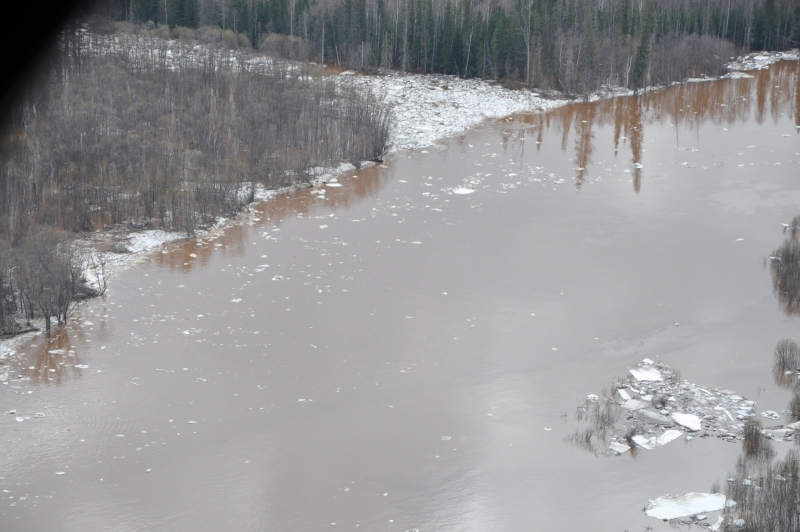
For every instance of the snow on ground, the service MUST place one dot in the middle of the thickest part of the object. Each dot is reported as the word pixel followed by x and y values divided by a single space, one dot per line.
pixel 428 108
pixel 760 60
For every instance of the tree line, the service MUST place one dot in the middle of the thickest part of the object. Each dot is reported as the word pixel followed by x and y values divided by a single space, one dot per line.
pixel 570 45
pixel 123 136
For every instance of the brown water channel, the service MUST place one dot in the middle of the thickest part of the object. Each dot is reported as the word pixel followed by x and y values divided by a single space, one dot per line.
pixel 394 313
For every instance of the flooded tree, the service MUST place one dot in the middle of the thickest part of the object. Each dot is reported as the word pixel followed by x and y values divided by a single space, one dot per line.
pixel 767 494
pixel 786 362
pixel 785 268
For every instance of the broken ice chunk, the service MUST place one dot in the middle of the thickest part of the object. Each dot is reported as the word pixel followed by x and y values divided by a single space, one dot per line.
pixel 618 447
pixel 667 508
pixel 668 436
pixel 633 404
pixel 445 438
pixel 651 417
pixel 690 421
pixel 646 374
pixel 770 414
pixel 622 393
pixel 461 190
pixel 642 441
pixel 592 398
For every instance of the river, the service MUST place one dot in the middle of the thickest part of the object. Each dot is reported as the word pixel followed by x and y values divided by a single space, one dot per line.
pixel 395 356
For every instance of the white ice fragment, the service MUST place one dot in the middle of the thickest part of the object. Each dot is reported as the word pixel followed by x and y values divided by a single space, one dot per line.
pixel 690 421
pixel 667 508
pixel 644 442
pixel 618 447
pixel 634 404
pixel 237 300
pixel 323 226
pixel 20 419
pixel 38 414
pixel 81 366
pixel 61 473
pixel 646 374
pixel 648 398
pixel 770 414
pixel 592 398
pixel 333 185
pixel 445 438
pixel 668 436
pixel 625 395
pixel 461 190
pixel 88 323
pixel 647 361
pixel 716 525
pixel 192 422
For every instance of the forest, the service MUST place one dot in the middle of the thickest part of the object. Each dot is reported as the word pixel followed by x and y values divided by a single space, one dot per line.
pixel 123 138
pixel 573 46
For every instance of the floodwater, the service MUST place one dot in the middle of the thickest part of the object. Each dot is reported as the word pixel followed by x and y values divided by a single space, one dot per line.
pixel 396 356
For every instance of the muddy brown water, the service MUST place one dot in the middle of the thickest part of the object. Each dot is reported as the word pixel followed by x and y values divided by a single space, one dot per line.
pixel 394 313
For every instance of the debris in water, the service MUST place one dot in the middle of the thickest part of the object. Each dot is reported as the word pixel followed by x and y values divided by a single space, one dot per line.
pixel 669 436
pixel 690 421
pixel 660 408
pixel 445 438
pixel 461 190
pixel 667 507
pixel 619 447
pixel 646 443
pixel 646 374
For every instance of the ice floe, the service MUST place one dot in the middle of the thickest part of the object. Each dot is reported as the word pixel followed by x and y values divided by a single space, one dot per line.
pixel 692 503
pixel 652 407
